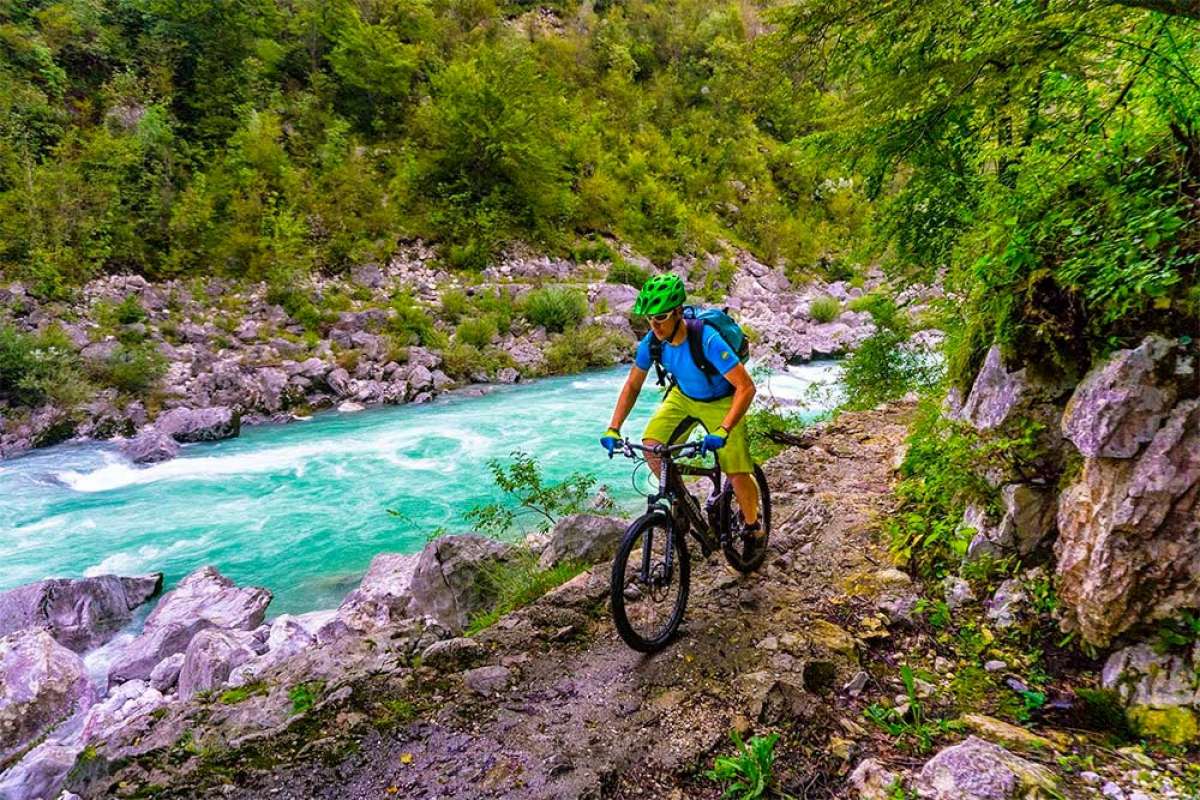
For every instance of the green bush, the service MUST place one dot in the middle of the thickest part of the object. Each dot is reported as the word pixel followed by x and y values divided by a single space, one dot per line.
pixel 477 331
pixel 131 368
pixel 885 368
pixel 824 309
pixel 517 582
pixel 454 305
pixel 581 348
pixel 462 361
pixel 627 273
pixel 411 323
pixel 555 309
pixel 35 368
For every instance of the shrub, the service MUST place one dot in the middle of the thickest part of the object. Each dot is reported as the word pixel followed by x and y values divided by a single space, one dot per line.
pixel 455 305
pixel 131 368
pixel 522 482
pixel 885 367
pixel 518 582
pixel 477 331
pixel 130 311
pixel 555 309
pixel 578 349
pixel 462 361
pixel 629 274
pixel 411 323
pixel 824 309
pixel 34 368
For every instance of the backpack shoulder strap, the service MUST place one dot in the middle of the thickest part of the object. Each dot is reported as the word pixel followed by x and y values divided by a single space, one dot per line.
pixel 656 350
pixel 695 338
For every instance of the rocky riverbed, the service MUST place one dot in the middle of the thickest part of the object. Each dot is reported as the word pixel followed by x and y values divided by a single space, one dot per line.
pixel 234 356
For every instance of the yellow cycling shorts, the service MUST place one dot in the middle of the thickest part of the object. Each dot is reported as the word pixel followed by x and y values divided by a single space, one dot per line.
pixel 678 414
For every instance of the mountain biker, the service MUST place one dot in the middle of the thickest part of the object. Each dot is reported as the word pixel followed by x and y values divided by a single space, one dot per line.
pixel 718 402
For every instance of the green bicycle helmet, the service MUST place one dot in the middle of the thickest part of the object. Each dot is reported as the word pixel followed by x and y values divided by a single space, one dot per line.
pixel 661 293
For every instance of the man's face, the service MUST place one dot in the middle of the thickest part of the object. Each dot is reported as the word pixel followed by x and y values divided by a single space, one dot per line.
pixel 664 324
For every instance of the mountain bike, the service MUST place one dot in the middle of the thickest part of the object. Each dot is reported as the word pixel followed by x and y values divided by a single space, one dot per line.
pixel 652 568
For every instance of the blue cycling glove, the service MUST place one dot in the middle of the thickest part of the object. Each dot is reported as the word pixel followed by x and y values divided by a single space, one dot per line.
pixel 611 440
pixel 714 441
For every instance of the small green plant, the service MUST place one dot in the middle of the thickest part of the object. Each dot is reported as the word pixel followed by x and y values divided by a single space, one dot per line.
pixel 629 274
pixel 34 367
pixel 395 711
pixel 912 730
pixel 454 305
pixel 517 582
pixel 824 309
pixel 305 695
pixel 238 694
pixel 129 311
pixel 746 775
pixel 555 309
pixel 1179 632
pixel 477 331
pixel 521 480
pixel 411 324
pixel 131 368
pixel 581 348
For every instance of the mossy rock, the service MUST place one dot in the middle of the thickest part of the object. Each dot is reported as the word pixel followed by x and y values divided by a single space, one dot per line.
pixel 1177 725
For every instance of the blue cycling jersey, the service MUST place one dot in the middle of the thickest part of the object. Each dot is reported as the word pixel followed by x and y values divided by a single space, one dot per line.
pixel 677 360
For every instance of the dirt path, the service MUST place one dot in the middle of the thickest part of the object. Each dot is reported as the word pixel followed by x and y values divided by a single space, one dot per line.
pixel 581 715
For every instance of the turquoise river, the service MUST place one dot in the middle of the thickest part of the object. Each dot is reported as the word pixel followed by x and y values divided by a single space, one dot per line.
pixel 302 508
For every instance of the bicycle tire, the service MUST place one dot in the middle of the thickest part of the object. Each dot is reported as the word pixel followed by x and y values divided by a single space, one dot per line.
pixel 747 555
pixel 633 538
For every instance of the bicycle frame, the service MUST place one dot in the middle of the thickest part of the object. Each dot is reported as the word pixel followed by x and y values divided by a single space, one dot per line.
pixel 676 503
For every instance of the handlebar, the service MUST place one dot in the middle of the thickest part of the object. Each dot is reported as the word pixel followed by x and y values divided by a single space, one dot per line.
pixel 685 450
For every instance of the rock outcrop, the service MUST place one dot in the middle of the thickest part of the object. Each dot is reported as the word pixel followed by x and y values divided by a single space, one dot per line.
pixel 1128 527
pixel 447 584
pixel 1160 691
pixel 79 614
pixel 41 684
pixel 205 599
pixel 200 424
pixel 589 538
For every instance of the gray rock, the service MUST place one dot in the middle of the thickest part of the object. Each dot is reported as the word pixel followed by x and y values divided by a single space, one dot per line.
pixel 383 595
pixel 150 447
pixel 584 537
pixel 211 656
pixel 200 424
pixel 41 772
pixel 1028 520
pixel 957 592
pixel 419 378
pixel 1121 403
pixel 453 655
pixel 205 599
pixel 1126 550
pixel 507 375
pixel 448 583
pixel 165 674
pixel 79 614
pixel 980 770
pixel 1005 606
pixel 995 393
pixel 368 275
pixel 487 681
pixel 872 781
pixel 41 683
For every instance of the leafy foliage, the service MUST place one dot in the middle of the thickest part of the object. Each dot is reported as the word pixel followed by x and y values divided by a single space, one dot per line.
pixel 556 309
pixel 518 581
pixel 912 730
pixel 824 309
pixel 521 479
pixel 746 775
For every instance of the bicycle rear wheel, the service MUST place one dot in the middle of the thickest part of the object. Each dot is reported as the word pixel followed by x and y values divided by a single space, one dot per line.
pixel 648 598
pixel 745 553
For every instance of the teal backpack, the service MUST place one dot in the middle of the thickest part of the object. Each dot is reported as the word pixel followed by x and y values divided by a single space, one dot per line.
pixel 695 319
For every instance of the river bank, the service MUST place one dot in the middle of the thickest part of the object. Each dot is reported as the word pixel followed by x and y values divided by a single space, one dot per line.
pixel 177 362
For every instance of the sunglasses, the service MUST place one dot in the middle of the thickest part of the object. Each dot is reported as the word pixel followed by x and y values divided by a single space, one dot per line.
pixel 663 317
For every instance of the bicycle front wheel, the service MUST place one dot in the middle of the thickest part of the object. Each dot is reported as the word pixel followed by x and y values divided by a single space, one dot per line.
pixel 745 553
pixel 650 591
